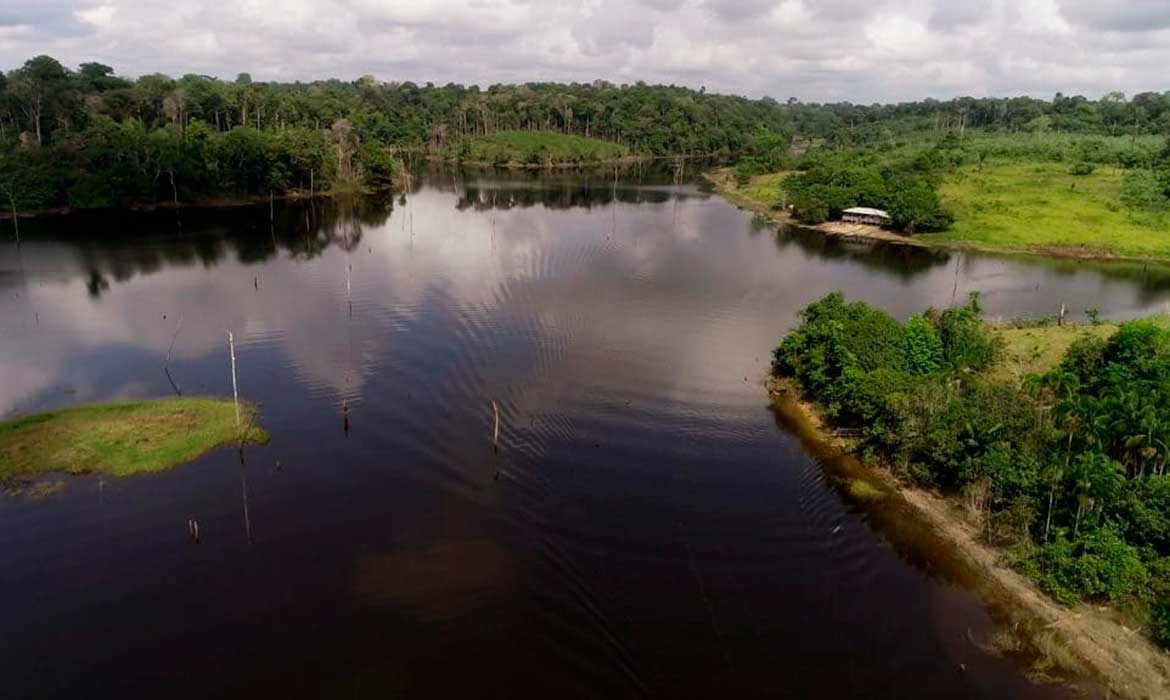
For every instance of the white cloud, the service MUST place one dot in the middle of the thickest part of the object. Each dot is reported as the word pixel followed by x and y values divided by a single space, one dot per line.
pixel 861 50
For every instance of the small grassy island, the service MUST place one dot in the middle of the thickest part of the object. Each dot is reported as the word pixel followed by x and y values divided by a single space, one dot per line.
pixel 536 149
pixel 1042 446
pixel 121 439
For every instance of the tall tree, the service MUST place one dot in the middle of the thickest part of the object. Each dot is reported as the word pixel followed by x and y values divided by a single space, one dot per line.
pixel 40 88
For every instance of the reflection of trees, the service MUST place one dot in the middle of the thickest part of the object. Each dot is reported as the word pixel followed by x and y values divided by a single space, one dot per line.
pixel 1152 280
pixel 96 284
pixel 342 220
pixel 583 195
pixel 482 189
pixel 903 261
pixel 117 246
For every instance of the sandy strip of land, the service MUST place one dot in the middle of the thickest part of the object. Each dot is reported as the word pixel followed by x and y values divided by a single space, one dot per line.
pixel 1084 642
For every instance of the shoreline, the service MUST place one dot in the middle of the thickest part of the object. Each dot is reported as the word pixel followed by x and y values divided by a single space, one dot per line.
pixel 720 181
pixel 566 165
pixel 1086 642
pixel 557 165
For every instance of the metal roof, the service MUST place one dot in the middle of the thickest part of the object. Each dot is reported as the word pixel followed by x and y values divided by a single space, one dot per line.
pixel 866 211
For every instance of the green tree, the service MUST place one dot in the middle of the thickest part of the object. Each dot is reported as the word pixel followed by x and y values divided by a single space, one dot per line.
pixel 42 90
pixel 924 347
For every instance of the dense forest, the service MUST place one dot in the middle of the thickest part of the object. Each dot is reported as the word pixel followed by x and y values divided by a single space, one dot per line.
pixel 90 138
pixel 1067 468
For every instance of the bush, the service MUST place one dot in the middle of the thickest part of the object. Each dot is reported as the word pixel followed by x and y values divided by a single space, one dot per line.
pixel 966 343
pixel 869 399
pixel 924 347
pixel 1082 169
pixel 1099 566
pixel 1145 510
pixel 1142 190
pixel 916 207
pixel 947 430
pixel 1084 357
pixel 1160 623
pixel 746 169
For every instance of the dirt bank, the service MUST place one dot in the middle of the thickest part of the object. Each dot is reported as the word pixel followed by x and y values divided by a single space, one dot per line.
pixel 1081 643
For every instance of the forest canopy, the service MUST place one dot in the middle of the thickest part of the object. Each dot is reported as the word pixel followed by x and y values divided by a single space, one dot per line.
pixel 90 138
pixel 87 137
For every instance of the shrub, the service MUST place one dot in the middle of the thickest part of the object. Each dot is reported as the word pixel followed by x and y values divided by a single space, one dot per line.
pixel 848 334
pixel 916 207
pixel 1142 190
pixel 1098 566
pixel 924 347
pixel 1145 509
pixel 1160 623
pixel 1082 169
pixel 966 343
pixel 869 399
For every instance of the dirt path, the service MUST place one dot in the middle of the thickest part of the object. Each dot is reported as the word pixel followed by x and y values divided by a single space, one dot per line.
pixel 1085 642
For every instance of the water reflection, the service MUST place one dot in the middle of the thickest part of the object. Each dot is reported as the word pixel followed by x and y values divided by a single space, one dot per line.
pixel 644 529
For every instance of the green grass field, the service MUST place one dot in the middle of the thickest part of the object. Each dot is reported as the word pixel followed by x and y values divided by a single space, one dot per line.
pixel 1039 206
pixel 764 188
pixel 539 148
pixel 1038 349
pixel 121 439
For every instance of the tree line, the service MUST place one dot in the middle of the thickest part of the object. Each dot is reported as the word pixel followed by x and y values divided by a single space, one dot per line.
pixel 87 137
pixel 1111 115
pixel 90 138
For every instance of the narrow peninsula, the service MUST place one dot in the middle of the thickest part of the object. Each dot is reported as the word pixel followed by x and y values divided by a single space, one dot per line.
pixel 1036 451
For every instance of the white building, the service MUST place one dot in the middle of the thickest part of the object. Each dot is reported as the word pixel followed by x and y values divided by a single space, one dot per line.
pixel 865 215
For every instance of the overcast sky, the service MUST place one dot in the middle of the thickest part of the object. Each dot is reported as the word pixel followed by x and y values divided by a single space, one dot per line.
pixel 816 50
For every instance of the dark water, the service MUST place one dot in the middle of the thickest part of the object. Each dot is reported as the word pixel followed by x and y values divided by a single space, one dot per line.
pixel 646 529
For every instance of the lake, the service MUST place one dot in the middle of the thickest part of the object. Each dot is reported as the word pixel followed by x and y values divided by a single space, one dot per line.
pixel 646 527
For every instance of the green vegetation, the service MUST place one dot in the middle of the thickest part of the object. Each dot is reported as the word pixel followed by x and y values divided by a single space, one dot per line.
pixel 764 189
pixel 1068 176
pixel 1063 454
pixel 88 138
pixel 1035 348
pixel 1028 205
pixel 121 439
pixel 865 491
pixel 537 148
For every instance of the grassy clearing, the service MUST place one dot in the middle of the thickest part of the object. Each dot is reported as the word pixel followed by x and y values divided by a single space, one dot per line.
pixel 539 147
pixel 764 189
pixel 121 439
pixel 1033 205
pixel 1037 349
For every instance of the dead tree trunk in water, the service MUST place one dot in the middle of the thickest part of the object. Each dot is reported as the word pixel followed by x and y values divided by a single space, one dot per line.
pixel 235 390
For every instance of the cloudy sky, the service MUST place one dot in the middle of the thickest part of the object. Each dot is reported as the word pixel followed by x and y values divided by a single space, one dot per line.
pixel 861 50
